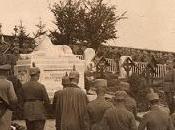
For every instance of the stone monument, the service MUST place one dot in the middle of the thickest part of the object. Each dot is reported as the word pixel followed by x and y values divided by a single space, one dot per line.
pixel 53 60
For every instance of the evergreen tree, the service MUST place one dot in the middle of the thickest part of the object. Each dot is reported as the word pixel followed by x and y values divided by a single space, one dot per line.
pixel 84 22
pixel 40 29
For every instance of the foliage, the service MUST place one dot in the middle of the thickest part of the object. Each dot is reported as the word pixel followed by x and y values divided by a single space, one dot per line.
pixel 22 35
pixel 22 40
pixel 40 29
pixel 69 17
pixel 89 22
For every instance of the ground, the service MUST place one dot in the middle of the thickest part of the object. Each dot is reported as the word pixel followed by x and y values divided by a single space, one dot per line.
pixel 50 124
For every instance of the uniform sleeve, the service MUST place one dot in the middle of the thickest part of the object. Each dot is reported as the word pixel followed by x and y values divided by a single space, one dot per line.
pixel 45 96
pixel 171 125
pixel 11 94
pixel 89 114
pixel 133 125
pixel 85 121
pixel 143 123
pixel 104 122
pixel 54 102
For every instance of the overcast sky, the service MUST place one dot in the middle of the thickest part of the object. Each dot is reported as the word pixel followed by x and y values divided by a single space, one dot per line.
pixel 150 23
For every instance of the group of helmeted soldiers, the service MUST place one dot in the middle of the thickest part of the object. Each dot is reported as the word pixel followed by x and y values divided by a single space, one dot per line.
pixel 73 110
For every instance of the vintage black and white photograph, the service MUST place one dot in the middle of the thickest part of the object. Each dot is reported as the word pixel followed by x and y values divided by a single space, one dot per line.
pixel 87 65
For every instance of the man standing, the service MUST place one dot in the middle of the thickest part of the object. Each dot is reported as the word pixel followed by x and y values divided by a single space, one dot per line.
pixel 36 99
pixel 169 85
pixel 57 101
pixel 18 113
pixel 97 107
pixel 7 98
pixel 156 118
pixel 130 102
pixel 73 105
pixel 118 117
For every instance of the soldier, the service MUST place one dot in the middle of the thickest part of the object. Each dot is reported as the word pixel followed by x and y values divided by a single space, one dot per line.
pixel 97 107
pixel 156 118
pixel 169 85
pixel 36 99
pixel 57 100
pixel 73 105
pixel 7 98
pixel 130 102
pixel 118 117
pixel 17 114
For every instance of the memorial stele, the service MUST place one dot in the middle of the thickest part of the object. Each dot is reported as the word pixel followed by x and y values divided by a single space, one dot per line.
pixel 53 60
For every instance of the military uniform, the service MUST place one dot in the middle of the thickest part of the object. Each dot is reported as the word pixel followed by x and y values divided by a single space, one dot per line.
pixel 169 88
pixel 7 95
pixel 131 105
pixel 36 99
pixel 156 119
pixel 97 107
pixel 73 106
pixel 57 102
pixel 17 114
pixel 118 117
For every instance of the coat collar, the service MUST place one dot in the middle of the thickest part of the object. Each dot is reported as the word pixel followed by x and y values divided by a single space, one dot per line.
pixel 155 107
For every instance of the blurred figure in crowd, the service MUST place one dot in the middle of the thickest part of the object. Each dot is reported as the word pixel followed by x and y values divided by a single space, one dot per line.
pixel 7 98
pixel 118 117
pixel 156 118
pixel 36 101
pixel 18 113
pixel 169 85
pixel 130 102
pixel 97 107
pixel 73 104
pixel 57 101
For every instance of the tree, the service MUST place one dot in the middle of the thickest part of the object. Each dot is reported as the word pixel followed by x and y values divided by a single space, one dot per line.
pixel 22 40
pixel 68 22
pixel 22 36
pixel 87 22
pixel 40 29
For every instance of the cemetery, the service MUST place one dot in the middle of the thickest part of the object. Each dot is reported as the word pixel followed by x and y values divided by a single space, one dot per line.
pixel 86 65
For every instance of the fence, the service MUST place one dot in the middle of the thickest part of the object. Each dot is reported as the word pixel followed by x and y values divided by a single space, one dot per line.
pixel 160 69
pixel 81 57
pixel 112 65
pixel 140 66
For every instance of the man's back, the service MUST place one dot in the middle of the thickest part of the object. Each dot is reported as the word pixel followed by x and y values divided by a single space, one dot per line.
pixel 73 105
pixel 156 119
pixel 5 87
pixel 35 97
pixel 34 90
pixel 96 109
pixel 8 97
pixel 119 119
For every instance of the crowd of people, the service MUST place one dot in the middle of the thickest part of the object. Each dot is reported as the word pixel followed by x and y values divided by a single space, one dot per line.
pixel 73 110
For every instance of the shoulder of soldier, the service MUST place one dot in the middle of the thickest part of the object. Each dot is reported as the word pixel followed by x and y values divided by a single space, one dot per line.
pixel 76 90
pixel 131 100
pixel 148 114
pixel 173 115
pixel 110 110
pixel 92 103
pixel 40 85
pixel 58 92
pixel 8 82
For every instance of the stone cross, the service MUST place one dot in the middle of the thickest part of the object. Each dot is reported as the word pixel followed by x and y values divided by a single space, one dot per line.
pixel 127 65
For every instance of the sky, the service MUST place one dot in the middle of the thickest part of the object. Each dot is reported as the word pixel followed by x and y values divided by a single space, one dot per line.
pixel 150 24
